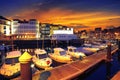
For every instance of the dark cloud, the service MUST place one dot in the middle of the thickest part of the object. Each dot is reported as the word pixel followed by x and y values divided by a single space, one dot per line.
pixel 50 4
pixel 10 7
pixel 80 5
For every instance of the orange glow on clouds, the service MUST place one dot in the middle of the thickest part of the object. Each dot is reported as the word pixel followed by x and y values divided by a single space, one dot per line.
pixel 71 18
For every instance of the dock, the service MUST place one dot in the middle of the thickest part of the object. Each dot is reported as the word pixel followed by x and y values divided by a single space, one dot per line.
pixel 74 69
pixel 117 76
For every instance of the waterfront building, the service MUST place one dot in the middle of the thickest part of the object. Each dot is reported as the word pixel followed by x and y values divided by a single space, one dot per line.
pixel 5 26
pixel 56 27
pixel 98 33
pixel 25 30
pixel 45 30
pixel 63 34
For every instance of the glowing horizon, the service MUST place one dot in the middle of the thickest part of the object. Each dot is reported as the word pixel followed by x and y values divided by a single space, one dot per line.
pixel 75 19
pixel 81 14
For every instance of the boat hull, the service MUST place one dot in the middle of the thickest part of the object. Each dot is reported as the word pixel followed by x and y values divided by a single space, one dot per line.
pixel 42 63
pixel 10 71
pixel 60 59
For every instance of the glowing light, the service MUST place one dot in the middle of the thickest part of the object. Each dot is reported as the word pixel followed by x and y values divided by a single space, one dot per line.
pixel 8 22
pixel 7 30
pixel 32 65
pixel 63 31
pixel 116 33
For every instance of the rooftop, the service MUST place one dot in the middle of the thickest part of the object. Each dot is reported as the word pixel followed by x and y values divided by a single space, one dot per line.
pixel 1 17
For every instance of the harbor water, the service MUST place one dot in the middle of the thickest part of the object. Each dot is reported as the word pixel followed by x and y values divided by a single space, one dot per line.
pixel 103 71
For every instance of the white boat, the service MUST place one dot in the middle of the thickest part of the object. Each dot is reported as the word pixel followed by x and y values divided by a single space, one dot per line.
pixel 102 46
pixel 11 67
pixel 75 53
pixel 91 49
pixel 41 59
pixel 97 45
pixel 87 45
pixel 60 55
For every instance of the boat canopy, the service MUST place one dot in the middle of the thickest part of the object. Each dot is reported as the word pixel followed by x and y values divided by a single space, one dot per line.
pixel 13 54
pixel 40 51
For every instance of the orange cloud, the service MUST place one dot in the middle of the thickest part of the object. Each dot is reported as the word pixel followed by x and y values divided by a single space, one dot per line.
pixel 70 18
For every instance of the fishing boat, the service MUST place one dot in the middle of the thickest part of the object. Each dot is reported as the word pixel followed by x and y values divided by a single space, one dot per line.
pixel 75 53
pixel 41 59
pixel 11 67
pixel 60 55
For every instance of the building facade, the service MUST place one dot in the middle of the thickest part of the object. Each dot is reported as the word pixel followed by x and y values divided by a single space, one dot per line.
pixel 45 30
pixel 29 29
pixel 5 28
pixel 25 30
pixel 63 34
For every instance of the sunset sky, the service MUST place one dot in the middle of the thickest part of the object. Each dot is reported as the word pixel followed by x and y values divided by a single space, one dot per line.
pixel 82 14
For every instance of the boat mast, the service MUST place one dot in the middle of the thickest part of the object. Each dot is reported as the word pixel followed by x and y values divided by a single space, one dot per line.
pixel 43 42
pixel 11 36
pixel 12 43
pixel 37 44
pixel 42 39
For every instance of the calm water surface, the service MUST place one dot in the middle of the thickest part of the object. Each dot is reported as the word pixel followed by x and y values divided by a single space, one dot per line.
pixel 104 71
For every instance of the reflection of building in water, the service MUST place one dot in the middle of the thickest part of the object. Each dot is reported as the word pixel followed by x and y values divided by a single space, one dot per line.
pixel 25 29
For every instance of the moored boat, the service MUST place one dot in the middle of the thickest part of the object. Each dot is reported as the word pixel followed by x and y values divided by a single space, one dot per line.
pixel 60 55
pixel 87 53
pixel 91 49
pixel 41 59
pixel 11 67
pixel 75 53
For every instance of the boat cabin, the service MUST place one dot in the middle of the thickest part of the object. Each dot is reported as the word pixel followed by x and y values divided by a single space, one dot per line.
pixel 12 57
pixel 59 51
pixel 72 49
pixel 39 53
